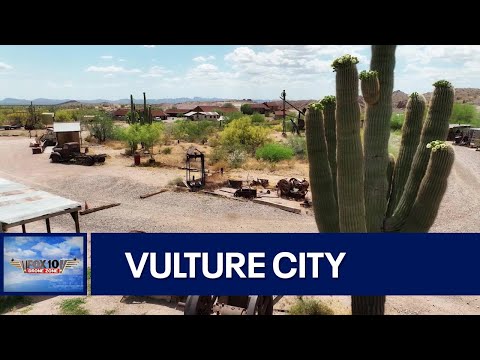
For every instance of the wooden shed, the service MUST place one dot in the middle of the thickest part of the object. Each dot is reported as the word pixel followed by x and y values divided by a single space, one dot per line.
pixel 67 132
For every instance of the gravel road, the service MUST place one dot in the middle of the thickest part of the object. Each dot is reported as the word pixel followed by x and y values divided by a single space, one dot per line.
pixel 118 181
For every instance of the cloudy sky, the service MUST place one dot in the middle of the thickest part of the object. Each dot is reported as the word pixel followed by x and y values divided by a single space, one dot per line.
pixel 230 71
pixel 42 248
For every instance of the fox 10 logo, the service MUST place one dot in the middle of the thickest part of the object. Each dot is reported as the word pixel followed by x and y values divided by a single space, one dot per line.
pixel 44 264
pixel 50 266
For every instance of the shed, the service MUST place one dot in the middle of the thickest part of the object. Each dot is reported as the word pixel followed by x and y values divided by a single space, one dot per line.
pixel 67 132
pixel 20 205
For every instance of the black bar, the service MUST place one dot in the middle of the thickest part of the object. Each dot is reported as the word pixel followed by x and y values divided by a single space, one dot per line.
pixel 47 221
pixel 23 228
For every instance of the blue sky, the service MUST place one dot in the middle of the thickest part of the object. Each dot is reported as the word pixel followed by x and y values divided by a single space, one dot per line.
pixel 225 71
pixel 41 248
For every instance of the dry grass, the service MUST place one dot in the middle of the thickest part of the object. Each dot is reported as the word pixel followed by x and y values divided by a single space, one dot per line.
pixel 310 307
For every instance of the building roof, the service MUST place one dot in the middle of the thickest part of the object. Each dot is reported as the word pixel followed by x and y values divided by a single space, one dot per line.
pixel 177 111
pixel 453 126
pixel 19 203
pixel 121 112
pixel 206 113
pixel 280 112
pixel 258 106
pixel 66 127
pixel 209 108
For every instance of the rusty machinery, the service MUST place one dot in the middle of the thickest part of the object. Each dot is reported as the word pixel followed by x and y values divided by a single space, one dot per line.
pixel 70 153
pixel 293 188
pixel 190 180
pixel 230 305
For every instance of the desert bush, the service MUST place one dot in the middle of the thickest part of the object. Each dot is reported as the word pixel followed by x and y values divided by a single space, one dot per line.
pixel 131 135
pixel 101 128
pixel 150 134
pixel 218 154
pixel 193 131
pixel 236 158
pixel 175 181
pixel 241 134
pixel 167 150
pixel 464 114
pixel 246 109
pixel 258 118
pixel 310 307
pixel 299 146
pixel 396 121
pixel 274 152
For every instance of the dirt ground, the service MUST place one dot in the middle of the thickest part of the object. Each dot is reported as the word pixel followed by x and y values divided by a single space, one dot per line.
pixel 118 181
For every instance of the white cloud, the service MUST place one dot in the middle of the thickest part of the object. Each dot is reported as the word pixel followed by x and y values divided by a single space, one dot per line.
pixel 156 71
pixel 20 240
pixel 203 58
pixel 109 75
pixel 60 250
pixel 4 66
pixel 111 69
pixel 19 253
pixel 149 46
pixel 122 60
pixel 106 57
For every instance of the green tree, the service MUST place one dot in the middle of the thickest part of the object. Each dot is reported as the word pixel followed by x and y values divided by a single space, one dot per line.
pixel 241 134
pixel 130 135
pixel 228 105
pixel 463 114
pixel 101 128
pixel 150 135
pixel 246 109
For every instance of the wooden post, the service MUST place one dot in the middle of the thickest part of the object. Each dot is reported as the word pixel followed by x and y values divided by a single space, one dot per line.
pixel 23 228
pixel 47 221
pixel 75 219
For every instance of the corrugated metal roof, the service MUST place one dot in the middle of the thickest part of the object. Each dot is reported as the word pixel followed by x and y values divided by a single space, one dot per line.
pixel 21 203
pixel 66 127
pixel 207 113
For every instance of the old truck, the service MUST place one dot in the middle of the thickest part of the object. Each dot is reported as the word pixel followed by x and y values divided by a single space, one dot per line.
pixel 70 153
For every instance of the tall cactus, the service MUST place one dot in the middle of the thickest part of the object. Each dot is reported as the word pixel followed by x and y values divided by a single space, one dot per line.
pixel 374 192
pixel 133 116
pixel 145 110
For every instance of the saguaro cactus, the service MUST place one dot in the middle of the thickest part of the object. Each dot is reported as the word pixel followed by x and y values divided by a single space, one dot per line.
pixel 374 192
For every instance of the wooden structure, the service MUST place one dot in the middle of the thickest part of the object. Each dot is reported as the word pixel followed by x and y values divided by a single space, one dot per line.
pixel 20 205
pixel 67 132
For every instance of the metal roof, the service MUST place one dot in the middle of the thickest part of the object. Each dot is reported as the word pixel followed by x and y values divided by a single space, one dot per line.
pixel 207 113
pixel 20 203
pixel 66 126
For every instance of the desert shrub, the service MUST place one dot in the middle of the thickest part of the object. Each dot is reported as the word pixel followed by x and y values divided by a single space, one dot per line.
pixel 101 128
pixel 241 134
pixel 299 146
pixel 175 181
pixel 167 150
pixel 193 131
pixel 464 114
pixel 150 134
pixel 131 135
pixel 258 118
pixel 396 121
pixel 246 109
pixel 274 152
pixel 218 154
pixel 16 118
pixel 233 116
pixel 310 307
pixel 236 158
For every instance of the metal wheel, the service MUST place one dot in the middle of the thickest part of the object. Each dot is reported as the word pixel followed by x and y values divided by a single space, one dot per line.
pixel 89 161
pixel 260 305
pixel 198 305
pixel 101 160
pixel 55 158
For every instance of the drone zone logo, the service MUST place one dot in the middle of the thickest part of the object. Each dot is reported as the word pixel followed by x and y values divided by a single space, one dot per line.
pixel 44 266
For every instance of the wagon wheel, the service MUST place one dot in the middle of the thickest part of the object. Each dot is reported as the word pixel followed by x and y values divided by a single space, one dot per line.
pixel 198 305
pixel 101 160
pixel 260 305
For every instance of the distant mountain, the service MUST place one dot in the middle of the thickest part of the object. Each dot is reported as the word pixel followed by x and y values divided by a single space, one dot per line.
pixel 42 101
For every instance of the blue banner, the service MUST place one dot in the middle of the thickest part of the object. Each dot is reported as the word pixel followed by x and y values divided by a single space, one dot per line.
pixel 286 264
pixel 43 264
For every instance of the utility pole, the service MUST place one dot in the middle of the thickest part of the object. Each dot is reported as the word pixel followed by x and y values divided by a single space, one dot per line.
pixel 283 96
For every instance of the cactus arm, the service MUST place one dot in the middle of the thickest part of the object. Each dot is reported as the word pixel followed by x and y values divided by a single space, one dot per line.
pixel 411 130
pixel 376 136
pixel 132 110
pixel 350 163
pixel 321 184
pixel 431 191
pixel 435 127
pixel 329 103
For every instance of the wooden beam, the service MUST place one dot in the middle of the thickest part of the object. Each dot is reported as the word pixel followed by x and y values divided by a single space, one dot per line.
pixel 103 207
pixel 283 207
pixel 154 193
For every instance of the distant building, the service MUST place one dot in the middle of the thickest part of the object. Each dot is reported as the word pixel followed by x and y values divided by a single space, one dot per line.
pixel 272 106
pixel 67 132
pixel 176 112
pixel 277 115
pixel 260 108
pixel 202 115
pixel 156 114
pixel 209 108
pixel 120 114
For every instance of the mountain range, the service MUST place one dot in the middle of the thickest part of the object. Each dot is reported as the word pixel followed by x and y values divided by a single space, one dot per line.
pixel 43 101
